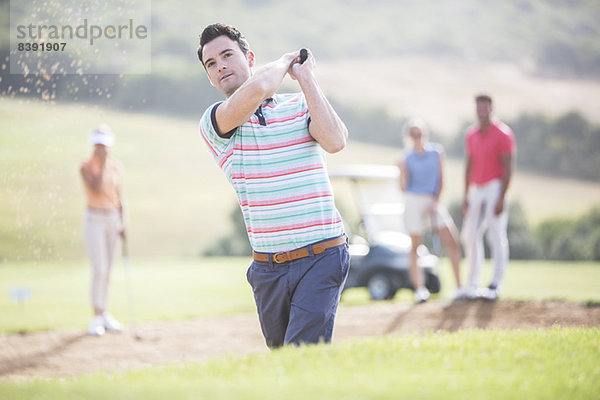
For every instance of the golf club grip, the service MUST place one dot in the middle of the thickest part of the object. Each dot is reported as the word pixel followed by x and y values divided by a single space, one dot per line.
pixel 303 55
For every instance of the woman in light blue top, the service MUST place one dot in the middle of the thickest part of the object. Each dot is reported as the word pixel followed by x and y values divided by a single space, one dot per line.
pixel 421 179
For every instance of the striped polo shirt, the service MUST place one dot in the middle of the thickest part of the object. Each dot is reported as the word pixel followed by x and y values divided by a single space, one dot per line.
pixel 279 174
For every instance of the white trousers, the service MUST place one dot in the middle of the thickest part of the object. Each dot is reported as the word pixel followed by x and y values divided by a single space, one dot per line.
pixel 101 230
pixel 479 217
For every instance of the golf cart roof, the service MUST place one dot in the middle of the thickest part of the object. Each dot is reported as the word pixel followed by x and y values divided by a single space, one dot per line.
pixel 376 195
pixel 365 172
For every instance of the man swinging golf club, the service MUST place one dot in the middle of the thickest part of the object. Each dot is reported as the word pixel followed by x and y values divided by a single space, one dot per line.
pixel 270 147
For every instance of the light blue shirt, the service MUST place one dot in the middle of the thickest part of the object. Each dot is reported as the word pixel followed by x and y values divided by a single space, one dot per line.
pixel 424 170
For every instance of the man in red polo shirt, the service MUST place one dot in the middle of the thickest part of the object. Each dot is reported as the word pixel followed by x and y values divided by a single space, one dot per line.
pixel 490 149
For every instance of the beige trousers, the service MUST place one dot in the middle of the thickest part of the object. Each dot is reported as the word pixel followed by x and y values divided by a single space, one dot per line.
pixel 101 231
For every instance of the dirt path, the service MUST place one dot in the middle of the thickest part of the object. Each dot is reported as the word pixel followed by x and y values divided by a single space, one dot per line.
pixel 71 352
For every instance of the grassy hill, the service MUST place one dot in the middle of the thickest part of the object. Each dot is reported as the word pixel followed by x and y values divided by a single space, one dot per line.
pixel 179 201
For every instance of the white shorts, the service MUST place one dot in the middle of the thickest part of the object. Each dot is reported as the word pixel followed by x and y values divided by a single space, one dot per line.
pixel 417 217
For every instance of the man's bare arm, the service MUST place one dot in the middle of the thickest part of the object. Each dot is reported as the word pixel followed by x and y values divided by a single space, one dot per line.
pixel 240 106
pixel 325 127
pixel 468 166
pixel 507 164
pixel 93 181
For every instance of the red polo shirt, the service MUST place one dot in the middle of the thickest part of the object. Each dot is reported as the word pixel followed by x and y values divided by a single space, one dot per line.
pixel 485 149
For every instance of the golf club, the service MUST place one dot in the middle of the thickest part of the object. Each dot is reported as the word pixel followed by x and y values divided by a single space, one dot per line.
pixel 435 238
pixel 303 55
pixel 125 260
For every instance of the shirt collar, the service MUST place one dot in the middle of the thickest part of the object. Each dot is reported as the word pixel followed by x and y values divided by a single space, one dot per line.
pixel 270 100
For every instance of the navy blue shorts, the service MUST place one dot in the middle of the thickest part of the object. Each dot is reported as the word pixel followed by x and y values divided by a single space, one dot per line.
pixel 297 300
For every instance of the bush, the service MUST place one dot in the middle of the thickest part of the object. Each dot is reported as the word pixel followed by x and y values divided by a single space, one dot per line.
pixel 235 244
pixel 522 243
pixel 571 240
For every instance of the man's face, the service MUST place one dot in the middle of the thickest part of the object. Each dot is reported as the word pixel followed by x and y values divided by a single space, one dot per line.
pixel 226 65
pixel 484 110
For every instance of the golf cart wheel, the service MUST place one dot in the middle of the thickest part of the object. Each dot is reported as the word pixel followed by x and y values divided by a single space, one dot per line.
pixel 432 282
pixel 380 287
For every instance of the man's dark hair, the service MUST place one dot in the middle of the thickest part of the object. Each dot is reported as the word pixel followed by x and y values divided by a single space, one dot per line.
pixel 213 31
pixel 483 97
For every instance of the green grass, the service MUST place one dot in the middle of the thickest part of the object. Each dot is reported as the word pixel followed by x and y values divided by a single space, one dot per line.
pixel 162 291
pixel 558 363
pixel 181 289
pixel 552 280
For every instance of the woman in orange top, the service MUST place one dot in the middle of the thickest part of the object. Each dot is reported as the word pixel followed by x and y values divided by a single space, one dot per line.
pixel 103 223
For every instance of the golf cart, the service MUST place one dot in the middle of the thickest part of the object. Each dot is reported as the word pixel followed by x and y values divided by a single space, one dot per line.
pixel 379 248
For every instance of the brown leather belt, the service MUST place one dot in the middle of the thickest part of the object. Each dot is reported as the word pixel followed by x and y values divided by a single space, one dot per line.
pixel 286 256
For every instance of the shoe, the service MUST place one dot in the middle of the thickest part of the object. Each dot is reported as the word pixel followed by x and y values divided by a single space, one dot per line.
pixel 96 327
pixel 460 294
pixel 471 293
pixel 111 324
pixel 421 295
pixel 490 293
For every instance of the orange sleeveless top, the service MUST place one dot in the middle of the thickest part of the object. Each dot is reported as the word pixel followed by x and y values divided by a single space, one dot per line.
pixel 108 197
